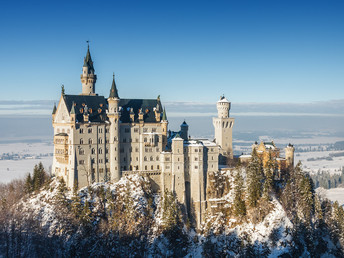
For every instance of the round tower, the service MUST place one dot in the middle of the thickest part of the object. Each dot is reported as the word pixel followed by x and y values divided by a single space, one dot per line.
pixel 223 107
pixel 289 155
pixel 223 125
pixel 114 115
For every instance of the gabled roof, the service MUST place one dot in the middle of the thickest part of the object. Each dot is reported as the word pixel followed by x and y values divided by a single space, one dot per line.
pixel 96 106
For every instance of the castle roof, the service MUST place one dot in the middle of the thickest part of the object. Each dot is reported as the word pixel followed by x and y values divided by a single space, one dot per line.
pixel 97 105
pixel 88 60
pixel 145 105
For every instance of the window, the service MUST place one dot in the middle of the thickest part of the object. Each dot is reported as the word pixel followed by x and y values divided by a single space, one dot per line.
pixel 81 152
pixel 151 158
pixel 157 139
pixel 145 167
pixel 81 141
pixel 124 140
pixel 106 150
pixel 136 139
pixel 90 141
pixel 122 150
pixel 136 130
pixel 157 158
pixel 130 167
pixel 81 162
pixel 145 130
pixel 100 151
pixel 136 149
pixel 153 130
pixel 100 130
pixel 89 130
pixel 126 130
pixel 145 139
pixel 152 167
pixel 196 159
pixel 196 167
pixel 157 167
pixel 107 130
pixel 101 170
pixel 124 159
pixel 167 159
pixel 100 140
pixel 100 161
pixel 145 158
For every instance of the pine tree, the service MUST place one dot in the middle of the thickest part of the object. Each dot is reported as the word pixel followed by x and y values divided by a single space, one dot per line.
pixel 239 202
pixel 254 180
pixel 28 184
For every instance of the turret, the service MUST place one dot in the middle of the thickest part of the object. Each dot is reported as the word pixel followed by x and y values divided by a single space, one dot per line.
pixel 184 128
pixel 223 125
pixel 223 107
pixel 164 125
pixel 289 155
pixel 72 114
pixel 88 78
pixel 114 115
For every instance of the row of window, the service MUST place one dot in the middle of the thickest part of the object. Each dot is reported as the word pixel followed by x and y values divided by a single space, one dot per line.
pixel 90 141
pixel 90 130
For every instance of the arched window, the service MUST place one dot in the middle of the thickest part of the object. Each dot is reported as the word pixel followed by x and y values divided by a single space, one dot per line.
pixel 100 151
pixel 81 141
pixel 81 152
pixel 100 140
pixel 152 167
pixel 93 151
pixel 145 158
pixel 151 158
pixel 90 141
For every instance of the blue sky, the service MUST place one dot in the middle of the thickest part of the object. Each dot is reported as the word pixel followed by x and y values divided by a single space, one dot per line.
pixel 251 51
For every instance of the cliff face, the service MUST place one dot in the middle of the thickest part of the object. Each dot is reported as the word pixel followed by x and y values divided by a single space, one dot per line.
pixel 127 219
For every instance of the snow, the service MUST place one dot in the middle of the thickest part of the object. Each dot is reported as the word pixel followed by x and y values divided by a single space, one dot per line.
pixel 30 154
pixel 333 194
pixel 320 163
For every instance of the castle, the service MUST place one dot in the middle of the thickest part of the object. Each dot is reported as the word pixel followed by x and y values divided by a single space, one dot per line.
pixel 98 139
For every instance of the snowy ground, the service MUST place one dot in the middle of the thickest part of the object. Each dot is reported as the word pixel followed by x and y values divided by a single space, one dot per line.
pixel 320 163
pixel 334 194
pixel 16 169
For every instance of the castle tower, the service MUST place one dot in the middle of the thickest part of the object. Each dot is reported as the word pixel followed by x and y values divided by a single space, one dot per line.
pixel 223 125
pixel 178 177
pixel 184 128
pixel 164 124
pixel 88 78
pixel 289 155
pixel 114 115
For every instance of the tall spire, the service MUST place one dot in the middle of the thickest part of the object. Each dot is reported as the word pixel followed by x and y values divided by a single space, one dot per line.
pixel 113 91
pixel 164 117
pixel 88 59
pixel 72 111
